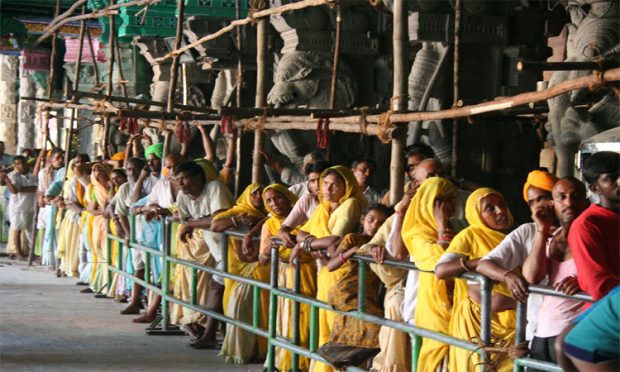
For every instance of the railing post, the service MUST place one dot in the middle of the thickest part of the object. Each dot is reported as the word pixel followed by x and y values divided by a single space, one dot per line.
pixel 255 307
pixel 273 309
pixel 314 328
pixel 165 273
pixel 361 287
pixel 521 327
pixel 295 317
pixel 486 288
pixel 416 345
pixel 108 260
pixel 224 250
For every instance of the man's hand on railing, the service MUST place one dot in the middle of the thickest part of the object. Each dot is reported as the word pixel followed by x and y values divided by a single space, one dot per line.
pixel 517 286
pixel 569 285
pixel 185 233
pixel 378 253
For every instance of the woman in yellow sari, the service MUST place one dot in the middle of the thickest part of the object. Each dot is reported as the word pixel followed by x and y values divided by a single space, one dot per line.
pixel 339 212
pixel 239 345
pixel 426 234
pixel 489 218
pixel 279 202
pixel 99 197
pixel 69 231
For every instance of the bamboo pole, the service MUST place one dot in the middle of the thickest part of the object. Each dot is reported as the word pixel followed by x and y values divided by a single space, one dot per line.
pixel 241 22
pixel 261 95
pixel 121 77
pixel 76 83
pixel 147 102
pixel 400 40
pixel 236 138
pixel 455 88
pixel 336 60
pixel 94 58
pixel 110 90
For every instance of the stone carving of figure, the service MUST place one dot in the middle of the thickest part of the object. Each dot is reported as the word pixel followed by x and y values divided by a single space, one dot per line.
pixel 590 34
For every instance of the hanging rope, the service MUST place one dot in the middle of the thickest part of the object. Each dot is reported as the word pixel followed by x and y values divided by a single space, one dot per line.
pixel 363 122
pixel 323 136
pixel 257 123
pixel 384 125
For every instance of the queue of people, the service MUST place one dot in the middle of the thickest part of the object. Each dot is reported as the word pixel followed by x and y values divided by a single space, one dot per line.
pixel 321 220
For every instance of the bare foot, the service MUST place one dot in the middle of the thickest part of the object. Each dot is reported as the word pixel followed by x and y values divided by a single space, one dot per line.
pixel 146 318
pixel 132 309
pixel 193 330
pixel 203 343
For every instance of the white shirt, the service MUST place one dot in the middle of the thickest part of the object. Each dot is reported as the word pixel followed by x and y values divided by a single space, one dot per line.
pixel 161 194
pixel 215 196
pixel 299 189
pixel 511 253
pixel 410 300
pixel 121 199
pixel 22 202
pixel 148 184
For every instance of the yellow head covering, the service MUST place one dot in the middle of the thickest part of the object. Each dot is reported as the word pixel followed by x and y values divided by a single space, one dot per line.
pixel 343 220
pixel 244 205
pixel 274 223
pixel 101 191
pixel 210 171
pixel 478 239
pixel 352 189
pixel 541 179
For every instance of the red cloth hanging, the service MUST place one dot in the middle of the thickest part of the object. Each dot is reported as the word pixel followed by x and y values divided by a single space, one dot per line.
pixel 323 136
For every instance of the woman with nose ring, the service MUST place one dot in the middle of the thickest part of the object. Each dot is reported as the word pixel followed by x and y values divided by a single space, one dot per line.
pixel 489 219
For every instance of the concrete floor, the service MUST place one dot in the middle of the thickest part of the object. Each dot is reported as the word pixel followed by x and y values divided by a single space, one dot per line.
pixel 47 325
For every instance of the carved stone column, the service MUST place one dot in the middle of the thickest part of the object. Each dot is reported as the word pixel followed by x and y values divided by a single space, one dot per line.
pixel 26 109
pixel 8 106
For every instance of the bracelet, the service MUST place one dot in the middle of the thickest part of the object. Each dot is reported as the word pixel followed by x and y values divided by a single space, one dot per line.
pixel 232 219
pixel 308 243
pixel 463 265
pixel 342 259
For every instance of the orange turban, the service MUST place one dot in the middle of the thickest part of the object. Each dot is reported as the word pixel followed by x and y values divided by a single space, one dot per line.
pixel 541 179
pixel 119 156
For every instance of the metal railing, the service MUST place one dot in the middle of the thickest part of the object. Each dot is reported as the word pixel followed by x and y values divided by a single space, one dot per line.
pixel 275 291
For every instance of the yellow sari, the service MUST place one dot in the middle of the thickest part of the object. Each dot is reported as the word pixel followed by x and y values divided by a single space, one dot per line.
pixel 101 196
pixel 307 273
pixel 325 222
pixel 69 231
pixel 475 242
pixel 419 233
pixel 239 345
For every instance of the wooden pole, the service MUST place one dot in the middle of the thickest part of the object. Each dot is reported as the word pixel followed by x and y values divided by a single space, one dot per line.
pixel 400 39
pixel 76 84
pixel 106 118
pixel 455 100
pixel 121 76
pixel 238 133
pixel 261 95
pixel 332 98
pixel 92 55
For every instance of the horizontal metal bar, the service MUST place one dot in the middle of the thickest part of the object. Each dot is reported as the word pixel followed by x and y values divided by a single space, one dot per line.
pixel 537 364
pixel 549 291
pixel 214 271
pixel 153 251
pixel 220 317
pixel 142 282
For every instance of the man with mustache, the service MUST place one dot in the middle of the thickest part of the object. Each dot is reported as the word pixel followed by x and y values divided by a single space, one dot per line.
pixel 363 170
pixel 594 236
pixel 551 258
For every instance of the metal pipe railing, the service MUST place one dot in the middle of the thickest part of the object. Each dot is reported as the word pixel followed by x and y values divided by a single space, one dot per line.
pixel 275 291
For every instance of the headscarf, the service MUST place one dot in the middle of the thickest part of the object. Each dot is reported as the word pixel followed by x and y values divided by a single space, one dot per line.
pixel 211 172
pixel 120 156
pixel 102 193
pixel 541 179
pixel 244 205
pixel 478 239
pixel 274 223
pixel 157 149
pixel 346 216
pixel 419 221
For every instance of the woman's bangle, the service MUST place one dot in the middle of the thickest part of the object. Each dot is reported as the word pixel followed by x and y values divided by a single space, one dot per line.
pixel 308 243
pixel 232 219
pixel 463 265
pixel 342 259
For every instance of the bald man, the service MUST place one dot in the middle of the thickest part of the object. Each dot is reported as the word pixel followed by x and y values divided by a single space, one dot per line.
pixel 158 203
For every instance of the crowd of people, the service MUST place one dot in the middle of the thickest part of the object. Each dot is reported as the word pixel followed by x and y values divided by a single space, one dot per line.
pixel 323 216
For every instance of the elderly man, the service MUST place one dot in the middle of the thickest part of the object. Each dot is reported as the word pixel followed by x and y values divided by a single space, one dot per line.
pixel 199 200
pixel 516 246
pixel 158 202
pixel 150 175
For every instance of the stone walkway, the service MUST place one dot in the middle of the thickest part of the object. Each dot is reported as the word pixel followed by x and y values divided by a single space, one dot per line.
pixel 47 325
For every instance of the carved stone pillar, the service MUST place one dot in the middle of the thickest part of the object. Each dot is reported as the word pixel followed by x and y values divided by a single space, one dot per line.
pixel 8 107
pixel 26 109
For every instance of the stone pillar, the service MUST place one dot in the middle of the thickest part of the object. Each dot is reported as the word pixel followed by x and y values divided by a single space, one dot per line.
pixel 8 105
pixel 26 109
